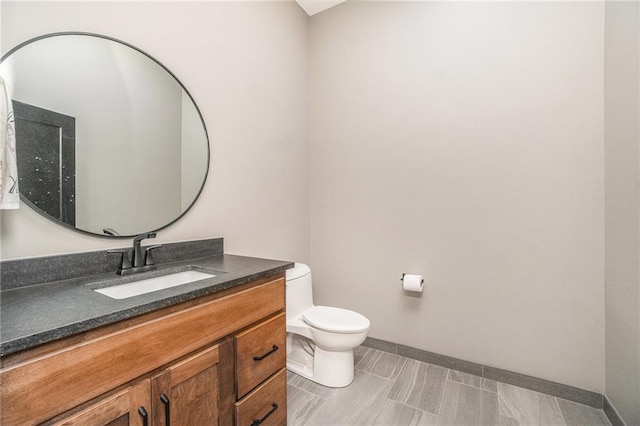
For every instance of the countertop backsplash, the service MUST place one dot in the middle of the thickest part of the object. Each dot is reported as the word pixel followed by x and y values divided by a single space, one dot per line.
pixel 24 272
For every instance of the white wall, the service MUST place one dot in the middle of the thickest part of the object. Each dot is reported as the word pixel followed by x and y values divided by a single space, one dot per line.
pixel 464 141
pixel 622 207
pixel 246 66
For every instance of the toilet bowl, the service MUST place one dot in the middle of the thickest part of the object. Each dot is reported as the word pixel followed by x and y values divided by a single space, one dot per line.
pixel 320 339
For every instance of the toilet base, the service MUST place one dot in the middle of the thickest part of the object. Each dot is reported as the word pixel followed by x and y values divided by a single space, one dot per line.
pixel 333 369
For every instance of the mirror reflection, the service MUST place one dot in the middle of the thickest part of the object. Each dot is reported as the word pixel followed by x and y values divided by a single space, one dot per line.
pixel 109 142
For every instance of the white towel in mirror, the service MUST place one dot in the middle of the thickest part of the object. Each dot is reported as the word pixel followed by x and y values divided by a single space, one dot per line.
pixel 9 195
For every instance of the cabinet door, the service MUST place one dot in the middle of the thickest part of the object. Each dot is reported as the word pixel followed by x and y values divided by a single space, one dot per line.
pixel 187 392
pixel 129 407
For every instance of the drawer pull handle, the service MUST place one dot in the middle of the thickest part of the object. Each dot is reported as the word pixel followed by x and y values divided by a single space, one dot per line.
pixel 274 407
pixel 167 409
pixel 145 416
pixel 263 356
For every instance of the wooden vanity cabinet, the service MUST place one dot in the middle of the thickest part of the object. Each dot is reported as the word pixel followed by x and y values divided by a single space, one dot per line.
pixel 172 367
pixel 128 407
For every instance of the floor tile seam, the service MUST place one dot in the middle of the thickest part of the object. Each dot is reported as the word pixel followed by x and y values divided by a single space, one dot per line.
pixel 384 393
pixel 361 358
pixel 471 374
pixel 375 358
pixel 555 399
pixel 373 355
pixel 321 402
pixel 380 377
pixel 301 379
pixel 428 364
pixel 421 410
pixel 480 405
pixel 424 387
pixel 318 408
pixel 505 406
pixel 518 422
pixel 394 376
pixel 360 367
pixel 539 405
pixel 538 393
pixel 442 394
pixel 489 390
pixel 403 397
pixel 406 404
pixel 475 387
pixel 399 370
pixel 309 392
pixel 392 379
pixel 413 379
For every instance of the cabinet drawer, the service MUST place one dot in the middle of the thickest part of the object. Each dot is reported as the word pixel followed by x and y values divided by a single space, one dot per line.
pixel 268 402
pixel 260 352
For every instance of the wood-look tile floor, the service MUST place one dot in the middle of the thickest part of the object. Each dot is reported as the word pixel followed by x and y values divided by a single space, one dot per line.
pixel 392 390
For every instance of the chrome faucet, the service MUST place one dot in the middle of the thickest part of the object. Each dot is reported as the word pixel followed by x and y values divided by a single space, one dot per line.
pixel 138 262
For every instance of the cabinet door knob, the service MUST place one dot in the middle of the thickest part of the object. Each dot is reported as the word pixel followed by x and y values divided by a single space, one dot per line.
pixel 167 409
pixel 145 416
pixel 266 354
pixel 274 407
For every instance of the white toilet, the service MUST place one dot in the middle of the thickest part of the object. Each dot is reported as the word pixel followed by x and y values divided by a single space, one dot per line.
pixel 320 339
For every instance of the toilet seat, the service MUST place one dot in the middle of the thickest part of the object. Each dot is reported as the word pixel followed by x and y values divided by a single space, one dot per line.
pixel 336 320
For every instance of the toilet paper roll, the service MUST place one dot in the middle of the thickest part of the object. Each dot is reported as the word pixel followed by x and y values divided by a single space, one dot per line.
pixel 412 282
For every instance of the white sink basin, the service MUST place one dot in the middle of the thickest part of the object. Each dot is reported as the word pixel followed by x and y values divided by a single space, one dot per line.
pixel 148 285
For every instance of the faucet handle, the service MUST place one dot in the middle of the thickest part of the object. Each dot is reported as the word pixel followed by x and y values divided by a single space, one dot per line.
pixel 148 256
pixel 141 237
pixel 137 249
pixel 125 262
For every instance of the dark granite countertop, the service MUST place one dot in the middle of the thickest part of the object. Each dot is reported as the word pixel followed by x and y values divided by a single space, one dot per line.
pixel 40 313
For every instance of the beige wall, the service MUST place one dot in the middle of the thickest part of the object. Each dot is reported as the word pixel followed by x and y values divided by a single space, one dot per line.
pixel 246 66
pixel 622 207
pixel 464 142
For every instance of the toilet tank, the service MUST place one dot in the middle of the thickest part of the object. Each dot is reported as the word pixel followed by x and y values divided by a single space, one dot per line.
pixel 299 290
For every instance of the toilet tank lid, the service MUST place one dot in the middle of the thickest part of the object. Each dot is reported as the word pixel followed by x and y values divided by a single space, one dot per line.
pixel 298 270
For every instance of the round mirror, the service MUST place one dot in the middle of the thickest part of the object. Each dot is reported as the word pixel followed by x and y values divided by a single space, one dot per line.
pixel 108 141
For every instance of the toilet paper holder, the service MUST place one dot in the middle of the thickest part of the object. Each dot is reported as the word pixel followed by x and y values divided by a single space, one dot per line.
pixel 402 279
